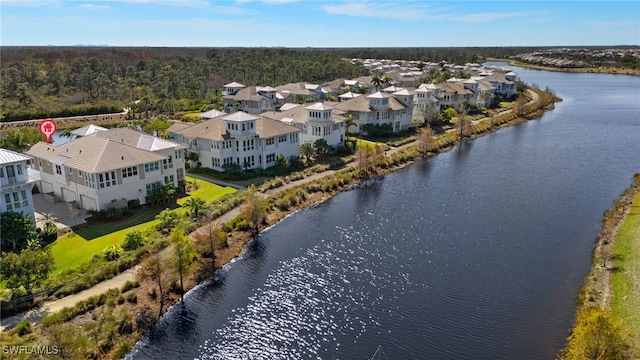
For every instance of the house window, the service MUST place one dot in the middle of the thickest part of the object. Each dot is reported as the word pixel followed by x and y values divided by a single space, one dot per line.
pixel 227 161
pixel 293 138
pixel 19 168
pixel 336 127
pixel 316 130
pixel 1 172
pixel 168 179
pixel 153 186
pixel 249 161
pixel 167 163
pixel 271 158
pixel 7 200
pixel 215 162
pixel 23 193
pixel 16 201
pixel 70 171
pixel 149 167
pixel 327 130
pixel 215 145
pixel 107 179
pixel 227 144
pixel 179 154
pixel 247 145
pixel 58 170
pixel 180 174
pixel 130 171
pixel 282 138
pixel 90 180
pixel 270 141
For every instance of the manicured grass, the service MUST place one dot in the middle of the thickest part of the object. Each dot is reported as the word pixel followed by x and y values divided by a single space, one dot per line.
pixel 207 191
pixel 626 289
pixel 77 248
pixel 506 104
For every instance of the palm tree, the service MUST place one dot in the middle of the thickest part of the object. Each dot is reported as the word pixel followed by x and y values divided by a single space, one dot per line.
pixel 348 123
pixel 307 150
pixel 196 206
pixel 387 79
pixel 376 80
pixel 48 220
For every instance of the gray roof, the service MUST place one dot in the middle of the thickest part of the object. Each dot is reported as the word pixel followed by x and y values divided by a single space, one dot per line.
pixel 211 114
pixel 8 157
pixel 215 130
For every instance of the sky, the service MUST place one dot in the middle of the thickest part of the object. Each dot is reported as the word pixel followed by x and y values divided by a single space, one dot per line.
pixel 317 23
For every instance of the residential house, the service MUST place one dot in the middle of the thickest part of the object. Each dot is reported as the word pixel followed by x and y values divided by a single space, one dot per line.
pixel 16 183
pixel 293 92
pixel 252 100
pixel 108 168
pixel 316 121
pixel 379 108
pixel 239 139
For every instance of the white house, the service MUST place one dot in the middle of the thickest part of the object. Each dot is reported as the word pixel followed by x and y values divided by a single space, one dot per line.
pixel 316 121
pixel 109 168
pixel 15 183
pixel 378 109
pixel 238 139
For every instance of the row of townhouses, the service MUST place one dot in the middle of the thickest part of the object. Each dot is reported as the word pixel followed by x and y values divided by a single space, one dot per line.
pixel 105 168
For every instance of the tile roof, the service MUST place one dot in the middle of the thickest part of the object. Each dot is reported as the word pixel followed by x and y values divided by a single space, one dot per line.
pixel 138 139
pixel 214 129
pixel 93 154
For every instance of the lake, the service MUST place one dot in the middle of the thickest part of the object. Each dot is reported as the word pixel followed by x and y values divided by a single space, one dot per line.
pixel 476 253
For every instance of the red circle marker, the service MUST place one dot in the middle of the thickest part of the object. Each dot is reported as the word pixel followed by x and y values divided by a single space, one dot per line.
pixel 48 127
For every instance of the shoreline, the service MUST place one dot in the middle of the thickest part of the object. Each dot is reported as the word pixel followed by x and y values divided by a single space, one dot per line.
pixel 587 70
pixel 597 289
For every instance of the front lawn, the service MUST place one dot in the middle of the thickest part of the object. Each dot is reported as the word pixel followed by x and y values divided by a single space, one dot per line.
pixel 77 248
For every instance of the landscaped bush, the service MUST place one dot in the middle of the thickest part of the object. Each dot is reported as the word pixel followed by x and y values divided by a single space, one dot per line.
pixel 112 252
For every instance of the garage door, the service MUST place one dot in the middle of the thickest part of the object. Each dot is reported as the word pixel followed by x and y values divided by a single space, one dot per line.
pixel 68 195
pixel 46 187
pixel 89 203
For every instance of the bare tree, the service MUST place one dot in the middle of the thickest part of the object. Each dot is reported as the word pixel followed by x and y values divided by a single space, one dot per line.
pixel 518 105
pixel 425 140
pixel 464 124
pixel 254 210
pixel 364 153
pixel 210 238
pixel 152 268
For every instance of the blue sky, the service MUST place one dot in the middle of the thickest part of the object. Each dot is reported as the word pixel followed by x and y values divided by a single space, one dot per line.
pixel 316 23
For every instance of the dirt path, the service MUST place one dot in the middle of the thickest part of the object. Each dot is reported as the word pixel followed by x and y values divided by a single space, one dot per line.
pixel 53 306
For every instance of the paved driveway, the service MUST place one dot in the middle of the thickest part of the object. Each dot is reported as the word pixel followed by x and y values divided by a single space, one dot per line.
pixel 59 209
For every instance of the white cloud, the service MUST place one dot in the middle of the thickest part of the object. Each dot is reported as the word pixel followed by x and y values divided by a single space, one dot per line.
pixel 94 7
pixel 489 17
pixel 396 10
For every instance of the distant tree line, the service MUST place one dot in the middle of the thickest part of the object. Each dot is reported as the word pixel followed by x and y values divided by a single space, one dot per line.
pixel 46 82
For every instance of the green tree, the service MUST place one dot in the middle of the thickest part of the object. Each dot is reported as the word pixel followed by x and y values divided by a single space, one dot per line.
pixel 169 219
pixel 196 206
pixel 348 123
pixel 182 256
pixel 112 252
pixel 254 210
pixel 16 229
pixel 321 147
pixel 30 268
pixel 47 220
pixel 281 164
pixel 376 80
pixel 596 334
pixel 20 139
pixel 307 150
pixel 447 114
pixel 156 126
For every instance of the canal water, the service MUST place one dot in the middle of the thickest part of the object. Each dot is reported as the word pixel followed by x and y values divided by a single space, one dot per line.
pixel 477 253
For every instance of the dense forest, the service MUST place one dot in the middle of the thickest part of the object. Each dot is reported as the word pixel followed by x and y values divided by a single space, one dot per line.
pixel 38 82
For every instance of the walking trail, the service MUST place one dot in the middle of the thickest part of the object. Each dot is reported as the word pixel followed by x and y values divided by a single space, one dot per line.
pixel 118 281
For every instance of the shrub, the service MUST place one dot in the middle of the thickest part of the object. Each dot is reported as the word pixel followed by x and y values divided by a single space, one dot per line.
pixel 112 252
pixel 129 285
pixel 22 329
pixel 133 240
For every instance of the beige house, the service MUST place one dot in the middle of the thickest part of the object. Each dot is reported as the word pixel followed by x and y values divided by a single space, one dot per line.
pixel 239 139
pixel 317 121
pixel 108 168
pixel 379 108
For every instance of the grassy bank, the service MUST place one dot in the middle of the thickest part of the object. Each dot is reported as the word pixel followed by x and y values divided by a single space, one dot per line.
pixel 607 320
pixel 625 281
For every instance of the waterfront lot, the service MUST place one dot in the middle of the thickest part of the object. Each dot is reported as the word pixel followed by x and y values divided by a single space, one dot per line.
pixel 79 246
